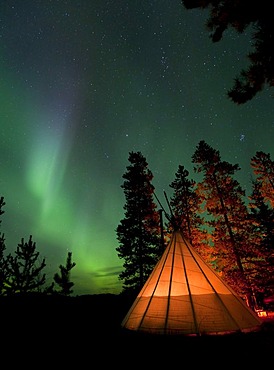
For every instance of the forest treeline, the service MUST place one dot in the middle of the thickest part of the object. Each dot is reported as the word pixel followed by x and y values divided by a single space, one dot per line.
pixel 23 272
pixel 233 231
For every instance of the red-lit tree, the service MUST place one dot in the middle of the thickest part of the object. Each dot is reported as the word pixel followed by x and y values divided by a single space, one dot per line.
pixel 263 168
pixel 223 199
pixel 185 204
pixel 262 221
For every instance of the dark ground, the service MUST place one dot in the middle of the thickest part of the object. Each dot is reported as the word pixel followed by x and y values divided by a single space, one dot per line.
pixel 85 332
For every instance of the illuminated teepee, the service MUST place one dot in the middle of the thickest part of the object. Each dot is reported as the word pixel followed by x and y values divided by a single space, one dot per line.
pixel 183 295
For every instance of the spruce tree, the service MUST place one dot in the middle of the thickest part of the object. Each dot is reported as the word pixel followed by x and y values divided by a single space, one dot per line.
pixel 63 279
pixel 25 271
pixel 263 169
pixel 223 199
pixel 185 205
pixel 139 232
pixel 262 218
pixel 262 221
pixel 3 272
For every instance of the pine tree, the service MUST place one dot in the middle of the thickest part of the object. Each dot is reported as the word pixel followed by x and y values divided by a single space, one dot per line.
pixel 3 271
pixel 223 199
pixel 24 269
pixel 63 279
pixel 138 233
pixel 262 221
pixel 185 205
pixel 263 168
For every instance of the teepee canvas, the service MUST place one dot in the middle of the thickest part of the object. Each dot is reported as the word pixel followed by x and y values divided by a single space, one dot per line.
pixel 183 295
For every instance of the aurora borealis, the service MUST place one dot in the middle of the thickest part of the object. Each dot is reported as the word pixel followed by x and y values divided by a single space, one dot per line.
pixel 83 83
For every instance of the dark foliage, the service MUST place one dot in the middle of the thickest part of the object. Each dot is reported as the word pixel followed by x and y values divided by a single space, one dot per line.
pixel 241 15
pixel 138 233
pixel 3 270
pixel 25 271
pixel 63 278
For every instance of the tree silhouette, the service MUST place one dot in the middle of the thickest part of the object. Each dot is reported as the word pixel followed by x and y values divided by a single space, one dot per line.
pixel 3 271
pixel 24 269
pixel 22 273
pixel 63 279
pixel 240 15
pixel 138 233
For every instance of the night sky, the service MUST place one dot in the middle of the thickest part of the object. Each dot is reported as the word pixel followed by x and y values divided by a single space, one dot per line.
pixel 83 83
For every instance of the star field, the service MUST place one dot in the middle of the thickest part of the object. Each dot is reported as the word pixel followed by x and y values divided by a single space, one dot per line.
pixel 83 83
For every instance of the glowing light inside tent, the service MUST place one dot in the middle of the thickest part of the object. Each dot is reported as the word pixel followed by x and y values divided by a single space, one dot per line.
pixel 183 295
